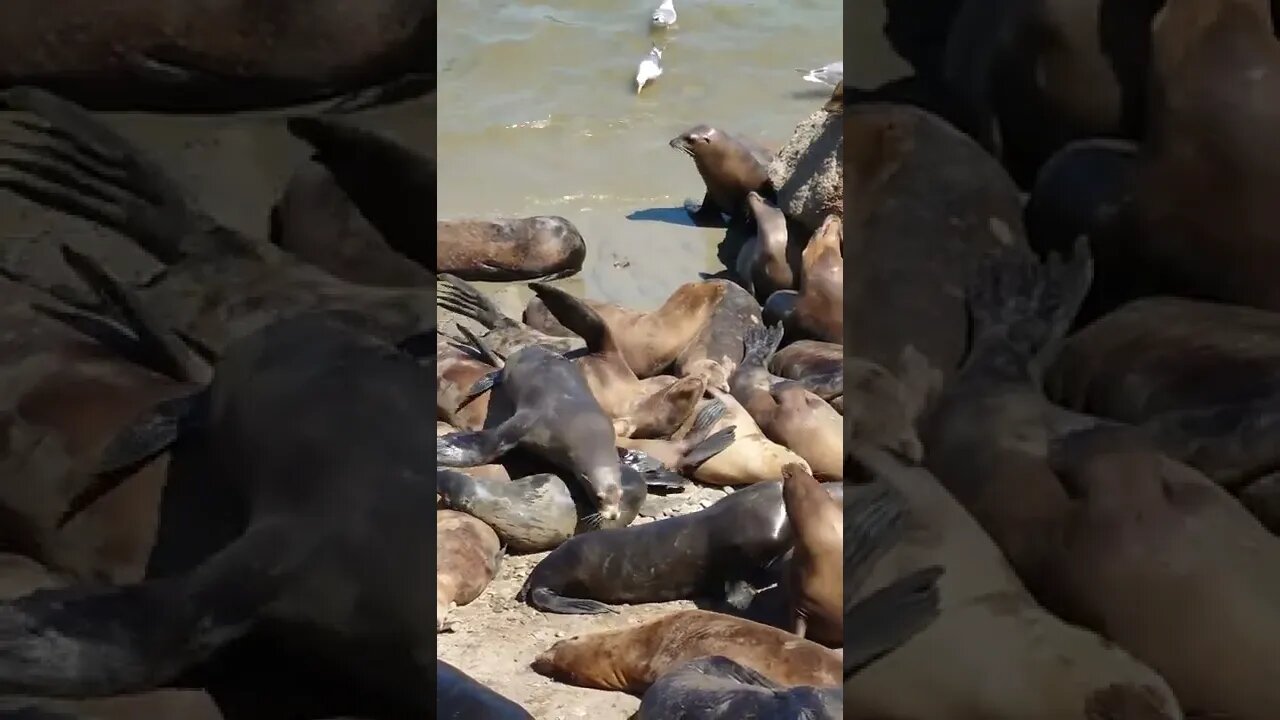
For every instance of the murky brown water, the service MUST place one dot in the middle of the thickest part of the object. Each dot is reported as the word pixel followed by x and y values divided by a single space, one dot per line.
pixel 538 115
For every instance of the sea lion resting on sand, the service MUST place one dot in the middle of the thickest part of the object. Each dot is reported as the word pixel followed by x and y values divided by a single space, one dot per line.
pixel 461 697
pixel 467 557
pixel 750 458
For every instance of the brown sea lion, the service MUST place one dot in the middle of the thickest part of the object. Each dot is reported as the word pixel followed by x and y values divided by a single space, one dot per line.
pixel 752 457
pixel 925 204
pixel 729 167
pixel 765 262
pixel 216 284
pixel 653 408
pixel 631 659
pixel 988 626
pixel 819 306
pixel 691 450
pixel 816 570
pixel 1147 541
pixel 503 335
pixel 467 558
pixel 546 246
pixel 1207 169
pixel 807 357
pixel 786 412
pixel 717 349
pixel 457 372
pixel 880 409
pixel 215 57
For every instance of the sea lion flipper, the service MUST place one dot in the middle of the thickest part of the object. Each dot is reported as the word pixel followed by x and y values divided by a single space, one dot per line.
pixel 578 317
pixel 738 594
pixel 707 449
pixel 469 449
pixel 481 386
pixel 889 617
pixel 548 600
pixel 706 214
pixel 759 343
pixel 461 297
pixel 873 522
pixel 656 475
pixel 486 353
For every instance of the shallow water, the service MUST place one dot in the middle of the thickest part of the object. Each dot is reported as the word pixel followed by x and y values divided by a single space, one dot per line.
pixel 538 114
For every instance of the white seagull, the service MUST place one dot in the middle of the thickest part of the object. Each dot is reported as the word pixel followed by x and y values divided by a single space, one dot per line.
pixel 650 68
pixel 826 75
pixel 665 15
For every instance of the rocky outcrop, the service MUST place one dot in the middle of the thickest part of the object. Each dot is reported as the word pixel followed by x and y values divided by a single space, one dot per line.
pixel 807 172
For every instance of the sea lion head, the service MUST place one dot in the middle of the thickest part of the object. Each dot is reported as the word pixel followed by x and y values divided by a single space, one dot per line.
pixel 695 139
pixel 605 481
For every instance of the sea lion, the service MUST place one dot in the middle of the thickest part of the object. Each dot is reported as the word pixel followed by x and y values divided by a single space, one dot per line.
pixel 160 704
pixel 551 413
pixel 988 626
pixel 216 57
pixel 652 340
pixel 1206 174
pixel 881 409
pixel 216 284
pixel 631 659
pixel 717 688
pixel 458 369
pixel 654 408
pixel 504 335
pixel 925 205
pixel 322 499
pixel 545 246
pixel 1145 542
pixel 751 458
pixel 765 262
pixel 807 357
pixel 717 349
pixel 718 551
pixel 729 167
pixel 540 511
pixel 468 554
pixel 786 412
pixel 818 313
pixel 461 697
pixel 687 453
pixel 816 573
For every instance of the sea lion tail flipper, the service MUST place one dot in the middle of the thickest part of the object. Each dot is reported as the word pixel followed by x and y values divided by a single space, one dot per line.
pixel 92 641
pixel 889 617
pixel 759 343
pixel 169 354
pixel 469 449
pixel 707 449
pixel 461 297
pixel 1025 306
pixel 578 317
pixel 481 386
pixel 873 522
pixel 547 600
pixel 657 477
pixel 487 353
pixel 365 164
pixel 84 168
pixel 707 417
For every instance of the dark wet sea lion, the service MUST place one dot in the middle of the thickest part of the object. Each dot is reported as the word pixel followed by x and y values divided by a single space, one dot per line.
pixel 552 414
pixel 786 412
pixel 654 408
pixel 717 688
pixel 816 570
pixel 751 457
pixel 468 554
pixel 1207 170
pixel 717 349
pixel 214 57
pixel 925 205
pixel 309 532
pixel 461 697
pixel 216 284
pixel 719 552
pixel 729 167
pixel 504 335
pixel 1146 543
pixel 988 625
pixel 631 659
pixel 766 262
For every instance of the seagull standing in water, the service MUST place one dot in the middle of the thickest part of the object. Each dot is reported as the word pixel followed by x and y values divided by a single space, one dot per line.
pixel 826 75
pixel 665 15
pixel 650 68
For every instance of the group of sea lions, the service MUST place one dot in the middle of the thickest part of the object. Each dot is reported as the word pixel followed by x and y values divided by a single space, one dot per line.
pixel 1066 211
pixel 557 427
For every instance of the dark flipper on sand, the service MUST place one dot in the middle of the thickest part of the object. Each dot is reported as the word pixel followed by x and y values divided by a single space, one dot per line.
pixel 84 168
pixel 481 447
pixel 889 617
pixel 548 600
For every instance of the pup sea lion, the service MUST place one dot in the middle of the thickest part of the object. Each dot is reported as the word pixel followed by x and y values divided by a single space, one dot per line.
pixel 655 408
pixel 317 525
pixel 719 551
pixel 816 569
pixel 553 414
pixel 765 262
pixel 729 167
pixel 819 306
pixel 217 57
pixel 1146 541
pixel 988 626
pixel 925 205
pixel 717 688
pixel 632 659
pixel 216 284
pixel 504 335
pixel 461 697
pixel 467 557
